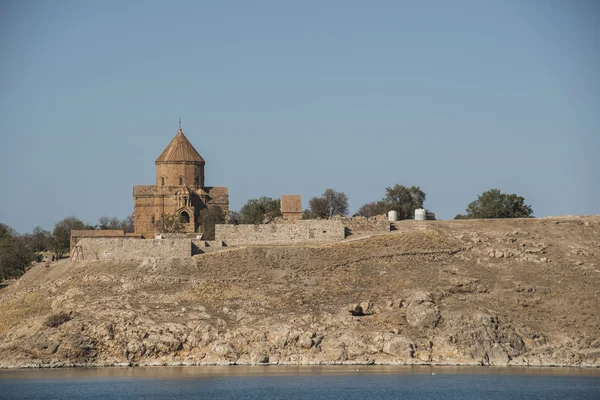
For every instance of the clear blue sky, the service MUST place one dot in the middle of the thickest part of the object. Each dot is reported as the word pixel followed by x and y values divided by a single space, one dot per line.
pixel 279 97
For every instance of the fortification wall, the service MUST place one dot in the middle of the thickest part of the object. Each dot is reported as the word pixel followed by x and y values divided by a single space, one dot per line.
pixel 300 231
pixel 99 248
pixel 181 235
pixel 323 230
pixel 379 223
pixel 77 235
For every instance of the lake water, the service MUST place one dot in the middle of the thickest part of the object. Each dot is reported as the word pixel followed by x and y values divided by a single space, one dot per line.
pixel 288 382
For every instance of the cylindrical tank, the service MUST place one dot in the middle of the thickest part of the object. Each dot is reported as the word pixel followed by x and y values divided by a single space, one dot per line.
pixel 420 214
pixel 393 216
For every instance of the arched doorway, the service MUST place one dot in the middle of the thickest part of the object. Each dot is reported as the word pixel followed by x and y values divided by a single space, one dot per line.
pixel 185 217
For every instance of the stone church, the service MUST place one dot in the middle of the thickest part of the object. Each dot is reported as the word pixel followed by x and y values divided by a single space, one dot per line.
pixel 179 190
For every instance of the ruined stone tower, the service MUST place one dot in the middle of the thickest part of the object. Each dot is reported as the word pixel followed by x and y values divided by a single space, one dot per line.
pixel 179 190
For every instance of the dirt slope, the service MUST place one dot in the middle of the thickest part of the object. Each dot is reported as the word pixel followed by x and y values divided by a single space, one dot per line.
pixel 517 292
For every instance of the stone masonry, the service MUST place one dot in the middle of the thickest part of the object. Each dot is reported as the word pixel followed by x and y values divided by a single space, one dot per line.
pixel 378 223
pixel 179 190
pixel 298 232
pixel 99 248
pixel 113 246
pixel 291 206
pixel 77 235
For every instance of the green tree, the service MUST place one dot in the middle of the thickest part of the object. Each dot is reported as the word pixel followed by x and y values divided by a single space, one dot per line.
pixel 209 217
pixel 402 199
pixel 317 208
pixel 337 202
pixel 125 224
pixel 370 210
pixel 307 214
pixel 330 203
pixel 38 240
pixel 258 211
pixel 235 217
pixel 14 254
pixel 61 234
pixel 170 223
pixel 495 204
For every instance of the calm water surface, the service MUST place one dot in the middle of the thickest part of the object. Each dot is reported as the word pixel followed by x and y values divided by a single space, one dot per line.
pixel 283 382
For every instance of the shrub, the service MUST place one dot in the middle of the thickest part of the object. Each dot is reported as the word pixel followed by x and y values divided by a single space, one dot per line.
pixel 260 211
pixel 404 200
pixel 495 204
pixel 56 320
pixel 14 254
pixel 329 204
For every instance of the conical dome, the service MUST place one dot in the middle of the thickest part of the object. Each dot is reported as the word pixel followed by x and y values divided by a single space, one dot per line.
pixel 180 150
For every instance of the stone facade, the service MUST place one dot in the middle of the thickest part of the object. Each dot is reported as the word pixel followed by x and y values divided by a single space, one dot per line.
pixel 179 190
pixel 99 248
pixel 298 232
pixel 291 206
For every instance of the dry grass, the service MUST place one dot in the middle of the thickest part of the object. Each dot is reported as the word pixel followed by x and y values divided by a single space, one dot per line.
pixel 18 309
pixel 310 286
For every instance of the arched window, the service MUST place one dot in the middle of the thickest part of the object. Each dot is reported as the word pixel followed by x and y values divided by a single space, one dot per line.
pixel 196 181
pixel 180 180
pixel 185 217
pixel 153 219
pixel 162 181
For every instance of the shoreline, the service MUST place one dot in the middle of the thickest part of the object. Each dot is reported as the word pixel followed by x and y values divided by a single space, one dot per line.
pixel 201 372
pixel 35 366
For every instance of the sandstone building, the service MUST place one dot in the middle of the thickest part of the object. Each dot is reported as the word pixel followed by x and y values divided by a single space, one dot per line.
pixel 291 206
pixel 179 190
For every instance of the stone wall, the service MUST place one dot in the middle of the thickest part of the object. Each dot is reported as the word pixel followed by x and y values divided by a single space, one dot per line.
pixel 299 231
pixel 127 248
pixel 181 235
pixel 77 235
pixel 379 223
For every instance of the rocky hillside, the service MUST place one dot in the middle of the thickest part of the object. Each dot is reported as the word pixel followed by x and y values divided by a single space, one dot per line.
pixel 517 292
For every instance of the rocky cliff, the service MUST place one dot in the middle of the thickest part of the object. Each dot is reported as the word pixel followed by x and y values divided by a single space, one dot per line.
pixel 503 292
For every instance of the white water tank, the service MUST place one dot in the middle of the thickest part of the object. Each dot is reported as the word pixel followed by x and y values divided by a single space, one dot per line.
pixel 392 216
pixel 420 214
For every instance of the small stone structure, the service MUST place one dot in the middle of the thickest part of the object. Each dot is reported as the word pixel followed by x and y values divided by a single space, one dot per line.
pixel 298 232
pixel 291 206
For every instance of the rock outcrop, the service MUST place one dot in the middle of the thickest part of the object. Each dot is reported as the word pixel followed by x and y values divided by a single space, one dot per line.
pixel 505 292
